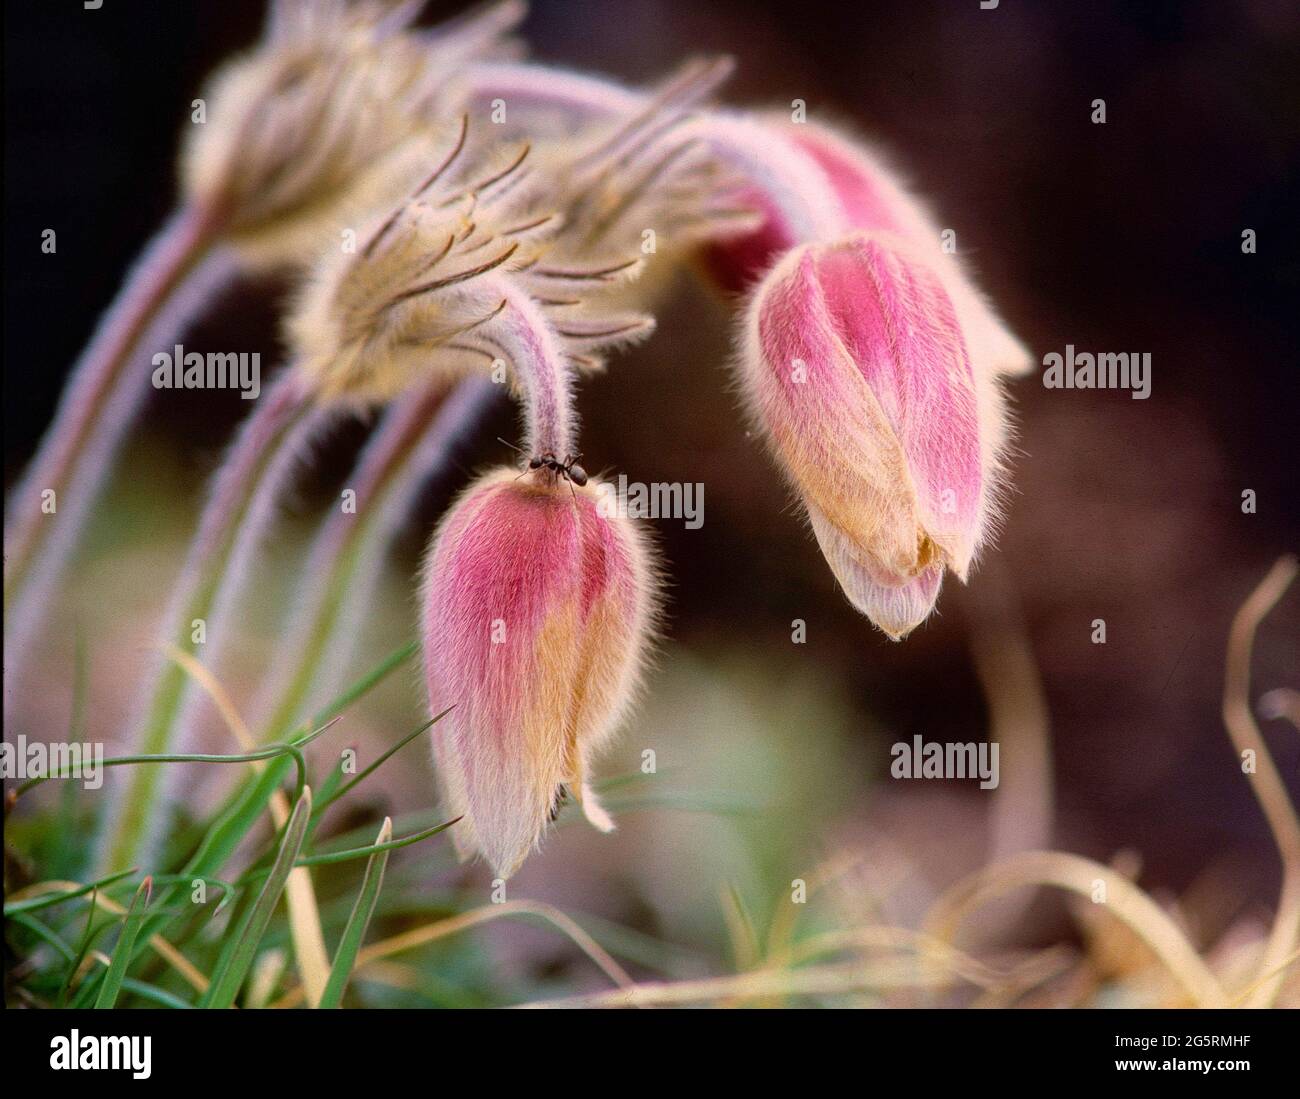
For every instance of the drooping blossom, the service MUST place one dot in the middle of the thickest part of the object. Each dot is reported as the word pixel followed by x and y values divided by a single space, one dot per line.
pixel 855 369
pixel 855 189
pixel 559 220
pixel 817 193
pixel 537 610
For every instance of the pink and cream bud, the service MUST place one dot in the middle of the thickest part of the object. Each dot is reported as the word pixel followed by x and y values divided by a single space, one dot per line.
pixel 537 614
pixel 855 368
pixel 812 183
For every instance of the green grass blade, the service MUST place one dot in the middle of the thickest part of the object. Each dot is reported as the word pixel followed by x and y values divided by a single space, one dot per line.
pixel 47 899
pixel 87 938
pixel 157 995
pixel 116 974
pixel 244 809
pixel 227 982
pixel 328 857
pixel 355 931
pixel 362 852
pixel 325 801
pixel 268 752
pixel 48 934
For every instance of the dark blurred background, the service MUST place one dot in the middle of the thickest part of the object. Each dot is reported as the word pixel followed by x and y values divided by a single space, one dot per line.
pixel 1123 236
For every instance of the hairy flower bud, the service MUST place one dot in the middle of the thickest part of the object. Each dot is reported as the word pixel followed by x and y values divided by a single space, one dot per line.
pixel 537 610
pixel 330 113
pixel 873 198
pixel 855 368
pixel 812 183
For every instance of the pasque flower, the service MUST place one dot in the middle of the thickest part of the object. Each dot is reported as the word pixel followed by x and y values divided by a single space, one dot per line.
pixel 855 369
pixel 813 182
pixel 897 455
pixel 332 112
pixel 537 610
pixel 502 254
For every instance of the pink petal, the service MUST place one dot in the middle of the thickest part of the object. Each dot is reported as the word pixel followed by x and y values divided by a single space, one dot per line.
pixel 910 349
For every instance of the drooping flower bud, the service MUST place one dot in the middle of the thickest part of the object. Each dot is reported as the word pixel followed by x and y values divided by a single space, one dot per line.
pixel 812 183
pixel 537 610
pixel 873 198
pixel 855 369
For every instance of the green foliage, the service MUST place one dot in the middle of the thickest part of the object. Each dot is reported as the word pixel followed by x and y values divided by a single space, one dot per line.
pixel 215 900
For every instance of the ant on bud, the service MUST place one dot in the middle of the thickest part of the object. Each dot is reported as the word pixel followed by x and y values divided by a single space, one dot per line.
pixel 568 469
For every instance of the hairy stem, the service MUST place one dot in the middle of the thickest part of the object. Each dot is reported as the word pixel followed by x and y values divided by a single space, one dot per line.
pixel 174 278
pixel 261 458
pixel 411 444
pixel 542 372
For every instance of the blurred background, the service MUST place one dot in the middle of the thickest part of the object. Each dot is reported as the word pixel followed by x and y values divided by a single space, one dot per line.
pixel 1122 236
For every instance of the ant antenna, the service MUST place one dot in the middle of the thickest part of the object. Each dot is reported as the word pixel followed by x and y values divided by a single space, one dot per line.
pixel 516 450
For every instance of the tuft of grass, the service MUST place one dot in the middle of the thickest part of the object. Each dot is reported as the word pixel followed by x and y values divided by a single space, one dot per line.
pixel 359 920
pixel 236 963
pixel 116 975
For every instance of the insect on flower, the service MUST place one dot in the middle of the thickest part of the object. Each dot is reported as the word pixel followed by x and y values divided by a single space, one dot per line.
pixel 568 469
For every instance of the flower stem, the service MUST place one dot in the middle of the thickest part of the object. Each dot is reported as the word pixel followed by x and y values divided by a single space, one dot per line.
pixel 541 371
pixel 791 187
pixel 412 443
pixel 263 456
pixel 169 285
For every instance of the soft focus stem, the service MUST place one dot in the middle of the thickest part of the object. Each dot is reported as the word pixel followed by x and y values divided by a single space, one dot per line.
pixel 1075 874
pixel 176 275
pixel 239 483
pixel 440 929
pixel 795 190
pixel 412 443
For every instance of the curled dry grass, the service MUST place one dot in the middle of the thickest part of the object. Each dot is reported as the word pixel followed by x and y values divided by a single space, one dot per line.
pixel 887 960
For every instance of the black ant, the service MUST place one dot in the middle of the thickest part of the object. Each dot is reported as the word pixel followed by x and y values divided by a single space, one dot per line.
pixel 568 469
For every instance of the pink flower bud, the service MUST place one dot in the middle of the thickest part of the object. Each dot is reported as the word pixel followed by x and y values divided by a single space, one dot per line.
pixel 873 198
pixel 855 368
pixel 819 185
pixel 537 613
